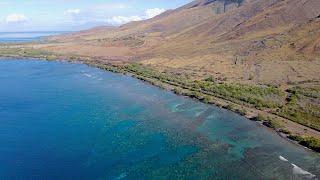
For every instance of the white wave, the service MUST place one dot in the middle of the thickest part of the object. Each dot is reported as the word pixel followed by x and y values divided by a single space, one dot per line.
pixel 298 171
pixel 88 75
pixel 283 159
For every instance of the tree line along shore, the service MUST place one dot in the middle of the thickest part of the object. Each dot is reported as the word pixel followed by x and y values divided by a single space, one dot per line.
pixel 272 106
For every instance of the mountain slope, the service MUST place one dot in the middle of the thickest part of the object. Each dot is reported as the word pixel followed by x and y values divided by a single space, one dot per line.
pixel 248 41
pixel 230 39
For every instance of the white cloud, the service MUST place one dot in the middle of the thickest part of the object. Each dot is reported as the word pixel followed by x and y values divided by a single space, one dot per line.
pixel 116 20
pixel 72 11
pixel 16 18
pixel 96 13
pixel 150 13
pixel 109 7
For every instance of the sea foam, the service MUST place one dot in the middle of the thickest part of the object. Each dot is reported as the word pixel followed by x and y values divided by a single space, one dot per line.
pixel 297 170
pixel 283 159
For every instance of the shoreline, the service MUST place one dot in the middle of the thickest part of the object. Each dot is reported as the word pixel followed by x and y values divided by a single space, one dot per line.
pixel 250 114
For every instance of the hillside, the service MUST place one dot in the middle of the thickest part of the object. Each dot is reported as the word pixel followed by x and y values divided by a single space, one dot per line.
pixel 250 56
pixel 233 39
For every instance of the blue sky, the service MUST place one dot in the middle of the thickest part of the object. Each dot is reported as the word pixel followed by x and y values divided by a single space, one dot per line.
pixel 68 15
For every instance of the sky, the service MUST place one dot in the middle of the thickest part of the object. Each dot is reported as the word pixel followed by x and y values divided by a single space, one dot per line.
pixel 73 15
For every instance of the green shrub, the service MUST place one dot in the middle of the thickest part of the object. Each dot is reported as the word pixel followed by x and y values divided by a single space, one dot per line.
pixel 260 117
pixel 313 92
pixel 178 91
pixel 207 99
pixel 260 97
pixel 51 57
pixel 229 107
pixel 242 112
pixel 310 142
pixel 210 79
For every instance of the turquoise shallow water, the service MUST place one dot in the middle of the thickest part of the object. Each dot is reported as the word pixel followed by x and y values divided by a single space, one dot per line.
pixel 70 121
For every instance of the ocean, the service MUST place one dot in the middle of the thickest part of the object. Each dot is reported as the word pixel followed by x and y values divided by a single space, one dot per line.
pixel 60 120
pixel 16 37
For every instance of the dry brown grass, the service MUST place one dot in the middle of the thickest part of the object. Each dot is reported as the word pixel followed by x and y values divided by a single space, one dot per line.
pixel 261 42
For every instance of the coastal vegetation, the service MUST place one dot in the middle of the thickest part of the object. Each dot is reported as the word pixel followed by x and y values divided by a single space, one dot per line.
pixel 303 106
pixel 257 96
pixel 265 68
pixel 299 104
pixel 310 142
pixel 9 51
pixel 245 75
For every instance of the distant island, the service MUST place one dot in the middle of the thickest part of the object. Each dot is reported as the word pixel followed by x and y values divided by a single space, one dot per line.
pixel 258 58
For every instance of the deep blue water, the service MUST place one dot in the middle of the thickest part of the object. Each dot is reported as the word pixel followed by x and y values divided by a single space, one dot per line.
pixel 70 121
pixel 16 37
